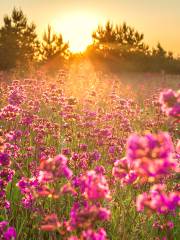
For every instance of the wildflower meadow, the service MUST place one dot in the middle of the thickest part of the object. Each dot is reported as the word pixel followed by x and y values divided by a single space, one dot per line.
pixel 86 155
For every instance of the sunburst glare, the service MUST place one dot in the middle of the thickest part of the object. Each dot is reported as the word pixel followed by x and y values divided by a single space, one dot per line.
pixel 77 29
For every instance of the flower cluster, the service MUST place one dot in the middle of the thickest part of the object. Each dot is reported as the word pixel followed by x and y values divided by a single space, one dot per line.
pixel 27 187
pixel 54 168
pixel 4 159
pixel 50 171
pixel 83 216
pixel 9 112
pixel 92 235
pixel 170 102
pixel 151 155
pixel 94 186
pixel 6 232
pixel 123 172
pixel 158 200
pixel 16 96
pixel 6 175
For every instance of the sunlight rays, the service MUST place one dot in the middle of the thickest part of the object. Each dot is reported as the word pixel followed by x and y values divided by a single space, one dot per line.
pixel 77 29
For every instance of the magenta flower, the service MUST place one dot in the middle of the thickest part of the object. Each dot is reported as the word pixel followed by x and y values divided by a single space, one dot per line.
pixel 100 170
pixel 151 155
pixel 104 214
pixel 3 225
pixel 94 186
pixel 170 224
pixel 123 172
pixel 14 135
pixel 6 175
pixel 27 188
pixel 4 159
pixel 95 156
pixel 16 96
pixel 170 103
pixel 10 234
pixel 6 232
pixel 92 235
pixel 158 200
pixel 84 215
pixel 66 151
pixel 9 112
pixel 53 168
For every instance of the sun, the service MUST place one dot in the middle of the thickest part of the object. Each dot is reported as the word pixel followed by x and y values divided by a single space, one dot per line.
pixel 76 29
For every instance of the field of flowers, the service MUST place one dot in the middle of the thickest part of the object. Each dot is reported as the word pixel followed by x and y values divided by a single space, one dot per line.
pixel 89 156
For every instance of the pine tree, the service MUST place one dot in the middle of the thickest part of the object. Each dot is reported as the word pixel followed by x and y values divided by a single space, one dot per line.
pixel 18 41
pixel 159 51
pixel 53 46
pixel 121 38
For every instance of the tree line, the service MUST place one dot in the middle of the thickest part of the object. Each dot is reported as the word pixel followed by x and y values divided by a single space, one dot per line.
pixel 20 47
pixel 121 47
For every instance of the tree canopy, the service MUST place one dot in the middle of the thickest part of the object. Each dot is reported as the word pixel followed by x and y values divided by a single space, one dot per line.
pixel 53 46
pixel 123 48
pixel 121 37
pixel 120 46
pixel 18 41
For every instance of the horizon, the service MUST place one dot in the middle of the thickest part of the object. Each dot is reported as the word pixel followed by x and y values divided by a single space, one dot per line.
pixel 82 18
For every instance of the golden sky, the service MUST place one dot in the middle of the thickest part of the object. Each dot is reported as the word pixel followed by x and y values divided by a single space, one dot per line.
pixel 159 20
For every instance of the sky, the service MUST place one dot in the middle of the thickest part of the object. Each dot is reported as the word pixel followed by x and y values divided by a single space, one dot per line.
pixel 159 20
